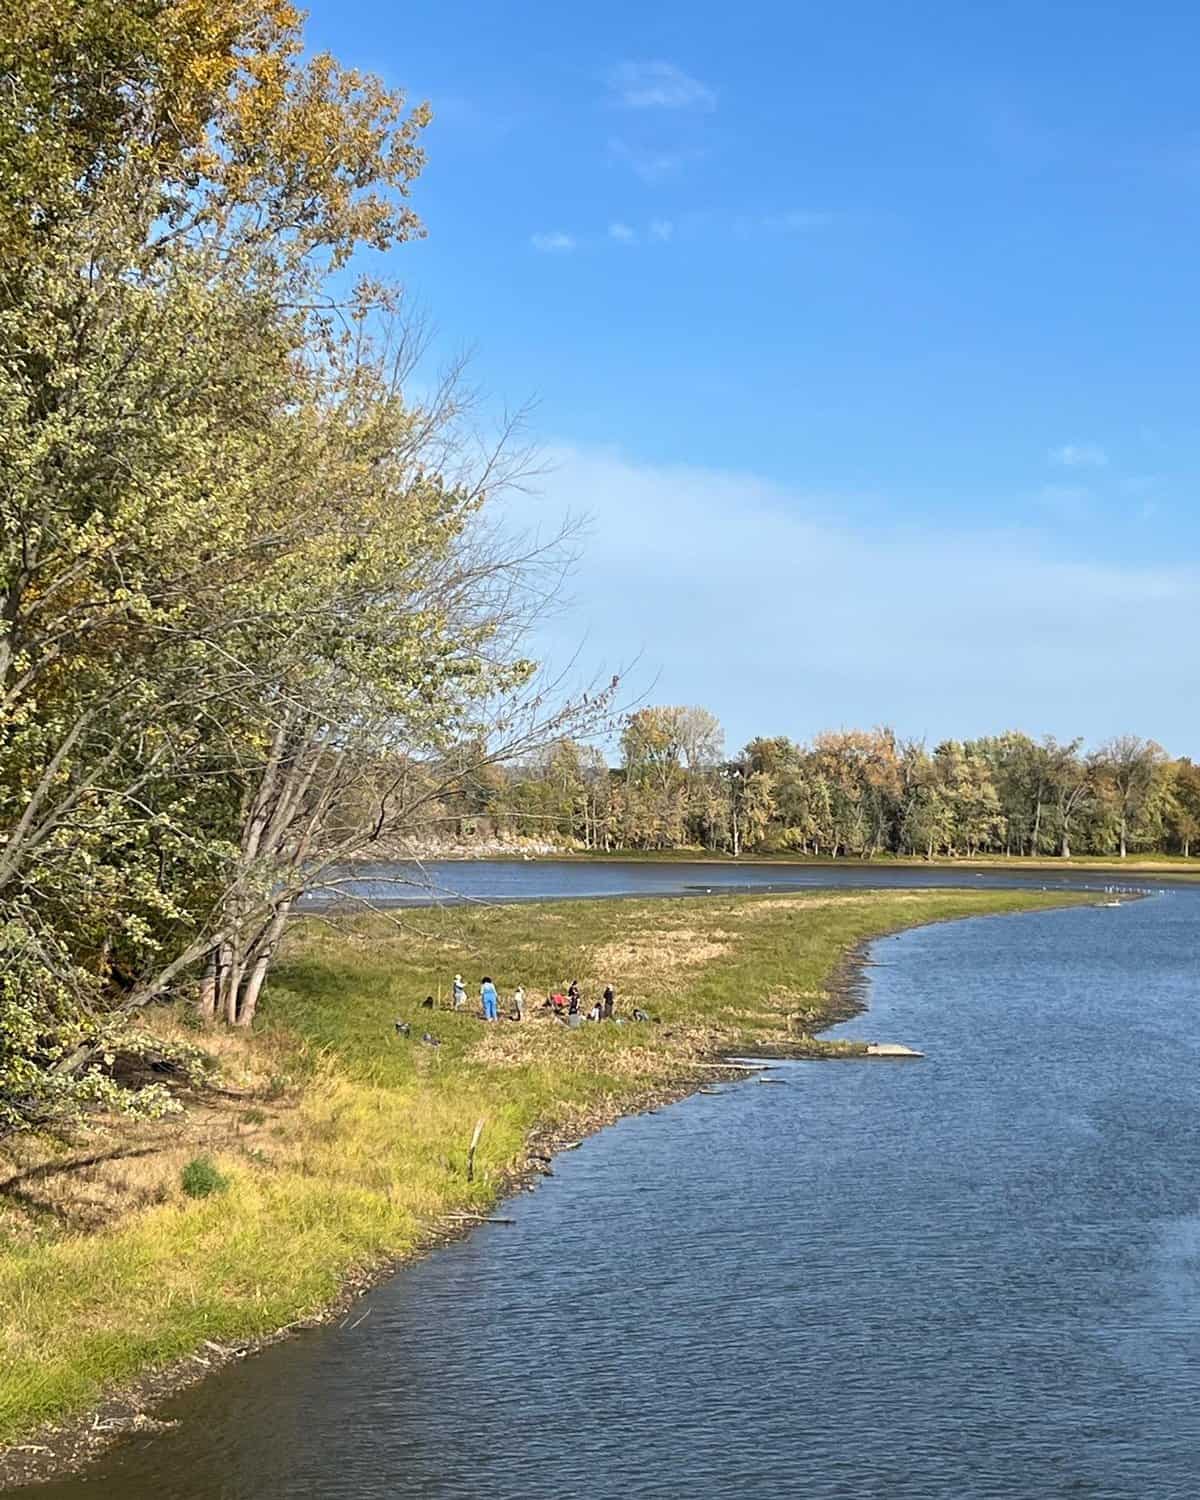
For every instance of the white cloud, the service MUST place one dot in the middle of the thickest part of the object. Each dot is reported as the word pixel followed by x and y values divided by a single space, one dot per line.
pixel 747 597
pixel 658 85
pixel 1079 456
pixel 662 231
pixel 649 163
pixel 555 243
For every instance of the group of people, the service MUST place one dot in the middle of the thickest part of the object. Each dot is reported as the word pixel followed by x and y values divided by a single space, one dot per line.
pixel 565 1006
pixel 561 1005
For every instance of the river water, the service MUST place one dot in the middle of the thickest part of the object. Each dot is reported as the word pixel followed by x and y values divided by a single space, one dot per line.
pixel 972 1276
pixel 402 882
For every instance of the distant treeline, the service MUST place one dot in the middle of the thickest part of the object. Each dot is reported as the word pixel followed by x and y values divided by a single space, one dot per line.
pixel 847 793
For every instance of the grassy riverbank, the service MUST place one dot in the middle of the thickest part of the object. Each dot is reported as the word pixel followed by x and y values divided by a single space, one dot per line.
pixel 342 1143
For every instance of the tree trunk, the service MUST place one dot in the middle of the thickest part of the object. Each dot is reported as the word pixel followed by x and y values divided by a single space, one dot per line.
pixel 260 964
pixel 251 989
pixel 231 987
pixel 206 1004
pixel 1122 835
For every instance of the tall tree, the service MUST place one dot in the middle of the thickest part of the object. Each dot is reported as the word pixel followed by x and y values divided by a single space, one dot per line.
pixel 1070 778
pixel 1131 766
pixel 178 183
pixel 249 615
pixel 700 737
pixel 1183 814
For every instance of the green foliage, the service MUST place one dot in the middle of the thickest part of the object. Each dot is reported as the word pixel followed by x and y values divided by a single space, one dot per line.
pixel 200 1178
pixel 245 600
pixel 40 1024
pixel 855 793
pixel 163 213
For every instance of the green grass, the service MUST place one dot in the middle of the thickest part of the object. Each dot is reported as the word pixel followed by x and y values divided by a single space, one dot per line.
pixel 200 1178
pixel 362 1139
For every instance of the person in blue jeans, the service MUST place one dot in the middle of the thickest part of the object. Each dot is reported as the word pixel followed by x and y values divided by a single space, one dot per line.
pixel 491 1001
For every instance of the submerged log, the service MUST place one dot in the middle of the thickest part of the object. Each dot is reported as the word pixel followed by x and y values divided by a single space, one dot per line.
pixel 478 1218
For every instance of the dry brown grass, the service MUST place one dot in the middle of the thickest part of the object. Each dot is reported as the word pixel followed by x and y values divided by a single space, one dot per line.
pixel 95 1175
pixel 510 1046
pixel 824 900
pixel 644 963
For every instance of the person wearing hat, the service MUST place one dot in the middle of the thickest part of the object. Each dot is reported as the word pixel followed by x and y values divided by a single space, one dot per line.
pixel 460 992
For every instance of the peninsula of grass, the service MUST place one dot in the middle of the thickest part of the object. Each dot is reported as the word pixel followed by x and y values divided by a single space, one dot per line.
pixel 339 1143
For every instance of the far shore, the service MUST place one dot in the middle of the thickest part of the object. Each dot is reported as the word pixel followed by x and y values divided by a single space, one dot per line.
pixel 1177 865
pixel 1095 863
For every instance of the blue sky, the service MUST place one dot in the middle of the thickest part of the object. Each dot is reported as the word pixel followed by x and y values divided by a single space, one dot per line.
pixel 865 336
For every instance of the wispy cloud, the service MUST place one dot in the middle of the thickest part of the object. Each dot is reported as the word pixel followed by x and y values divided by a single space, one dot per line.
pixel 650 163
pixel 557 242
pixel 951 630
pixel 658 85
pixel 1079 456
pixel 662 231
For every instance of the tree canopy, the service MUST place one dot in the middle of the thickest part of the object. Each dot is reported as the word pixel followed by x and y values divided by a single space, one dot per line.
pixel 860 793
pixel 253 611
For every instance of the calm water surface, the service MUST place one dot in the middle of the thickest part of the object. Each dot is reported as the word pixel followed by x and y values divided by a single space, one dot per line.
pixel 407 882
pixel 973 1276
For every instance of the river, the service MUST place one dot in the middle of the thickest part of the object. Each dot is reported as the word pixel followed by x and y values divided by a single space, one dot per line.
pixel 972 1276
pixel 402 882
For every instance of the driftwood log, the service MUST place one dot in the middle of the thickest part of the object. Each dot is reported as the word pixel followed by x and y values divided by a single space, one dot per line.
pixel 479 1218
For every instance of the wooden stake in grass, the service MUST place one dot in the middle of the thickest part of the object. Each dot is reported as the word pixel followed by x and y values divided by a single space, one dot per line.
pixel 471 1152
